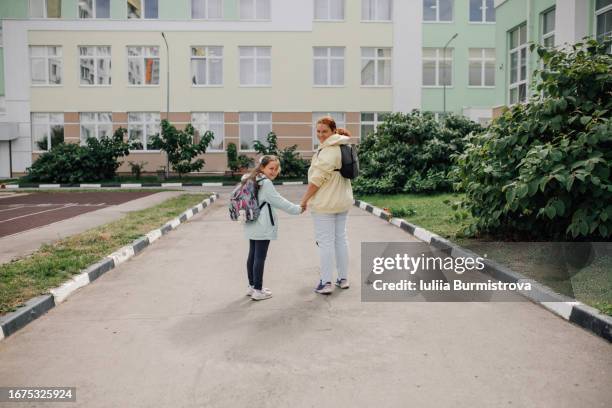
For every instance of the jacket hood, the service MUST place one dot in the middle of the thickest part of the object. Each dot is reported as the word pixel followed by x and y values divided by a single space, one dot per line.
pixel 336 139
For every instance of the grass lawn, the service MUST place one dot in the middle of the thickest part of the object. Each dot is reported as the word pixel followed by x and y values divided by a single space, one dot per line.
pixel 53 264
pixel 591 284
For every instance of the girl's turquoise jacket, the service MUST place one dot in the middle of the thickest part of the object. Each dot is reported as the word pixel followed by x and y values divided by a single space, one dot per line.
pixel 262 227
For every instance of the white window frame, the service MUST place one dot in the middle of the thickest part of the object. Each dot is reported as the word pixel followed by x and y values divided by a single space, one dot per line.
pixel 341 123
pixel 329 19
pixel 483 15
pixel 49 124
pixel 96 123
pixel 517 50
pixel 602 10
pixel 45 8
pixel 95 57
pixel 544 36
pixel 255 122
pixel 376 59
pixel 142 58
pixel 144 122
pixel 93 11
pixel 207 59
pixel 47 57
pixel 437 20
pixel 255 3
pixel 255 57
pixel 205 125
pixel 483 63
pixel 376 18
pixel 144 10
pixel 450 56
pixel 328 58
pixel 377 121
pixel 207 10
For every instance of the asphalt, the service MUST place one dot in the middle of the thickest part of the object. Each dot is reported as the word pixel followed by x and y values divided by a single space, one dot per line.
pixel 172 328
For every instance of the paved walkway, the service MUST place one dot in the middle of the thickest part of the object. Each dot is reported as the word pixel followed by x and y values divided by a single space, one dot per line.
pixel 24 243
pixel 172 328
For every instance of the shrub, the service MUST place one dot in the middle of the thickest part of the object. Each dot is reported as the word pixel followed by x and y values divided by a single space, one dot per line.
pixel 543 169
pixel 292 164
pixel 72 163
pixel 237 162
pixel 136 168
pixel 411 153
pixel 180 147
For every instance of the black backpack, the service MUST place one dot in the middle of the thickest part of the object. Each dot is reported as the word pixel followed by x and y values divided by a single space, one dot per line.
pixel 350 162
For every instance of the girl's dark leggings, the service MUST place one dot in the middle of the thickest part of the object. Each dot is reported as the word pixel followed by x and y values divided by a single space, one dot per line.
pixel 258 249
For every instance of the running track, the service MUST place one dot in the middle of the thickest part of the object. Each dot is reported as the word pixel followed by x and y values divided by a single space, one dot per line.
pixel 24 212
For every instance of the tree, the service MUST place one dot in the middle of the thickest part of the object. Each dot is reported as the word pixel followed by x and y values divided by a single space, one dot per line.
pixel 291 162
pixel 236 162
pixel 181 148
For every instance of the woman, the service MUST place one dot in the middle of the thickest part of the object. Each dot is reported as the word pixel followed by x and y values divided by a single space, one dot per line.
pixel 329 197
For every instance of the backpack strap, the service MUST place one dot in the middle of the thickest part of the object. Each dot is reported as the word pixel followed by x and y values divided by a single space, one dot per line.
pixel 321 148
pixel 269 211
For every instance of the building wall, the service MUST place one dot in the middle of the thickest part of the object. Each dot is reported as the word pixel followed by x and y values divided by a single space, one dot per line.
pixel 459 96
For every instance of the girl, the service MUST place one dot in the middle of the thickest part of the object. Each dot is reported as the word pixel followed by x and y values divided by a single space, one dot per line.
pixel 329 196
pixel 265 227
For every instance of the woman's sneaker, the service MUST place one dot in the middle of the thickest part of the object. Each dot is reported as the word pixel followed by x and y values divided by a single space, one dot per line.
pixel 260 295
pixel 324 288
pixel 250 290
pixel 342 283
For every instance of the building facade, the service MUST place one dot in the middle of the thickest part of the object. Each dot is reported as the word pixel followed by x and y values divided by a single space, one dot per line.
pixel 73 69
pixel 553 23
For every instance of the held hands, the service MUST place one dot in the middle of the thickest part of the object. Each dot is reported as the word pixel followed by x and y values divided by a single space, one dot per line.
pixel 304 206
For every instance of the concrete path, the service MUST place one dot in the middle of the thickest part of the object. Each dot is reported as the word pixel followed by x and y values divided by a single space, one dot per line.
pixel 26 242
pixel 172 328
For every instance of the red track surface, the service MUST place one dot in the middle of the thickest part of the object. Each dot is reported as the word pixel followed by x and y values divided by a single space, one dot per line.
pixel 25 212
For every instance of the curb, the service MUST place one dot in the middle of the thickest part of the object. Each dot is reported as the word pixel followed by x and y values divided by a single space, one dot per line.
pixel 35 307
pixel 133 185
pixel 565 307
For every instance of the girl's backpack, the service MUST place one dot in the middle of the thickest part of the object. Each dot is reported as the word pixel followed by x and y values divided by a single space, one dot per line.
pixel 243 201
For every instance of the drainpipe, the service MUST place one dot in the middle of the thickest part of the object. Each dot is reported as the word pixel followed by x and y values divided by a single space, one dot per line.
pixel 167 97
pixel 10 160
pixel 444 79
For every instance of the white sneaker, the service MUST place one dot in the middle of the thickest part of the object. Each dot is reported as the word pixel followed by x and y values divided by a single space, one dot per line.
pixel 260 295
pixel 324 288
pixel 250 290
pixel 342 283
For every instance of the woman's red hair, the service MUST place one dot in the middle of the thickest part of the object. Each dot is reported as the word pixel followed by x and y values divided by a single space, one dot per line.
pixel 331 123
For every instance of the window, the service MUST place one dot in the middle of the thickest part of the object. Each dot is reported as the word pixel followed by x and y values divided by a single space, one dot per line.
pixel 206 66
pixel 254 126
pixel 143 65
pixel 482 11
pixel 339 117
pixel 142 126
pixel 603 17
pixel 548 28
pixel 370 122
pixel 376 10
pixel 46 65
pixel 438 10
pixel 207 9
pixel 135 8
pixel 96 125
pixel 95 65
pixel 255 66
pixel 94 8
pixel 437 67
pixel 518 64
pixel 328 66
pixel 45 8
pixel 329 10
pixel 213 121
pixel 255 9
pixel 482 67
pixel 375 66
pixel 47 130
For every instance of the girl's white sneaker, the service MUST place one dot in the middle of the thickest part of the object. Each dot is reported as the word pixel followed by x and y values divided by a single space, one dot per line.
pixel 260 295
pixel 250 290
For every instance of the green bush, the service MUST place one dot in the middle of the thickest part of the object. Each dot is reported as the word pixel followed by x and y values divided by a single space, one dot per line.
pixel 542 171
pixel 411 153
pixel 237 162
pixel 72 163
pixel 291 162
